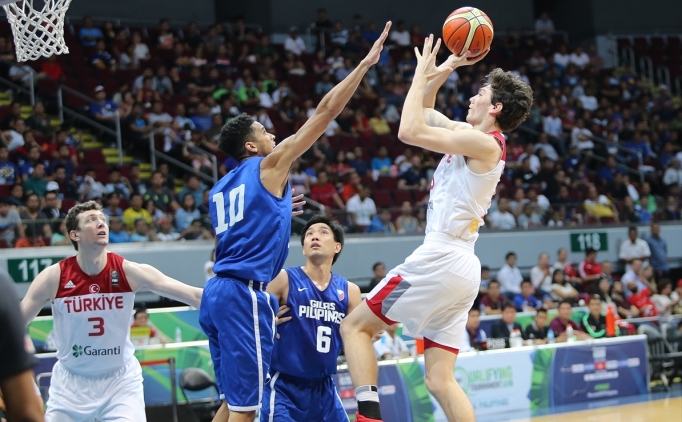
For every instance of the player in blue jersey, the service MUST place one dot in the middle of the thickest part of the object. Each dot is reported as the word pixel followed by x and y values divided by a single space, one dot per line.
pixel 251 215
pixel 301 386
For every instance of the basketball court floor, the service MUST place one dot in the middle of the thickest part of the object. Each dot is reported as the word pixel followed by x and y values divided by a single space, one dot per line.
pixel 665 406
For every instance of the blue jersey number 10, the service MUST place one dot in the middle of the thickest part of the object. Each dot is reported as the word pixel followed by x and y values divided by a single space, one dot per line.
pixel 236 208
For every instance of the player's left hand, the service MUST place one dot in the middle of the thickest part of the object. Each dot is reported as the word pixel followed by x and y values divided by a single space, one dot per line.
pixel 296 202
pixel 426 60
pixel 279 319
pixel 373 56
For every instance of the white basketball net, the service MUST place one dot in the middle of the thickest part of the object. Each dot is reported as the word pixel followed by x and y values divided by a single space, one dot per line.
pixel 37 32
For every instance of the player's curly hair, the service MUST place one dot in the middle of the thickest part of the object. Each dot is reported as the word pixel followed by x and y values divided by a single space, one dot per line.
pixel 74 212
pixel 334 225
pixel 234 135
pixel 514 94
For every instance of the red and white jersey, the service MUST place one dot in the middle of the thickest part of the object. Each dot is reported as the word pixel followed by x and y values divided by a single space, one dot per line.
pixel 460 198
pixel 92 316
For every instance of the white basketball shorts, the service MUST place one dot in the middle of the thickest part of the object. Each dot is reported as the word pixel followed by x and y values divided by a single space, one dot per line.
pixel 114 396
pixel 431 292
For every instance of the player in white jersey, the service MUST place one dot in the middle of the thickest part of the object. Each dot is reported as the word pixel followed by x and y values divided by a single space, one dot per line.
pixel 96 376
pixel 432 291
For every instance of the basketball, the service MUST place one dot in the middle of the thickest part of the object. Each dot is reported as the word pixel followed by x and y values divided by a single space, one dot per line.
pixel 467 29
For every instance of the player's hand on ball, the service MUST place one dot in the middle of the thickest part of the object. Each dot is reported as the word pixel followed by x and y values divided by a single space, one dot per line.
pixel 373 56
pixel 296 202
pixel 465 59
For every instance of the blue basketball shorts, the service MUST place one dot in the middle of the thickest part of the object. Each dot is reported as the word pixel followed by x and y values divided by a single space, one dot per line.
pixel 239 319
pixel 289 399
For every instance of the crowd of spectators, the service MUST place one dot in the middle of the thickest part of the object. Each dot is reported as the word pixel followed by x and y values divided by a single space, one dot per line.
pixel 184 84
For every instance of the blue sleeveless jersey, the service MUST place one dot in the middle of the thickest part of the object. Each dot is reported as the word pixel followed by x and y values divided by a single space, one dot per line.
pixel 311 341
pixel 252 226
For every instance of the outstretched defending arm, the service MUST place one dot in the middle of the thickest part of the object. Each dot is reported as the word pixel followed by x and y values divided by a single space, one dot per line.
pixel 42 290
pixel 146 277
pixel 279 161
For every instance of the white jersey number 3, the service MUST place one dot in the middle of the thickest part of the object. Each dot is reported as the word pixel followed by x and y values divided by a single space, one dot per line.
pixel 236 208
pixel 324 339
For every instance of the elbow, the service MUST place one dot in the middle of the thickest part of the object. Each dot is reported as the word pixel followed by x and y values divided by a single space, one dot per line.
pixel 406 134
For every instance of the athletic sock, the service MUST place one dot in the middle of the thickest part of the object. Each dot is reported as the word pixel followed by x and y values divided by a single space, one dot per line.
pixel 368 401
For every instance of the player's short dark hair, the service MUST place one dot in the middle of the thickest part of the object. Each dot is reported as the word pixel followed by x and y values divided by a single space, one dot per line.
pixel 565 301
pixel 135 194
pixel 334 225
pixel 508 305
pixel 74 212
pixel 376 264
pixel 485 268
pixel 475 309
pixel 590 251
pixel 234 135
pixel 140 311
pixel 541 311
pixel 506 257
pixel 515 95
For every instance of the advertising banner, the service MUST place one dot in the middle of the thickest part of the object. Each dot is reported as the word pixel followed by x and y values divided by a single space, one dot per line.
pixel 523 379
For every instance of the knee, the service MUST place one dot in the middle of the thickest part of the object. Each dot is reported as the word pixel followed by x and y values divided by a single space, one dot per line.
pixel 439 384
pixel 353 326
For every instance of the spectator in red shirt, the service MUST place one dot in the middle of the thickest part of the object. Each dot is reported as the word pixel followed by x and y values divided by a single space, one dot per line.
pixel 493 300
pixel 351 188
pixel 325 193
pixel 563 320
pixel 642 300
pixel 590 270
pixel 53 69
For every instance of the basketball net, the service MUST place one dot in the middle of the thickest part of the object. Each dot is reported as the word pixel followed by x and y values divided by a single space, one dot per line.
pixel 37 32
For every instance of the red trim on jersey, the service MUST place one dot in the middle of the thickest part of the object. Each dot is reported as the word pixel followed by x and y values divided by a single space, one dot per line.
pixel 430 343
pixel 503 144
pixel 111 279
pixel 377 300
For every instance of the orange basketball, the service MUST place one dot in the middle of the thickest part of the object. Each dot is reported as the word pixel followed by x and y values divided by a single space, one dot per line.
pixel 467 29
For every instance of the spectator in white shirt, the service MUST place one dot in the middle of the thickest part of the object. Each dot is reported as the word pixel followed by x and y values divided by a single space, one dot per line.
pixel 662 300
pixel 400 35
pixel 561 57
pixel 544 27
pixel 543 144
pixel 390 345
pixel 141 51
pixel 262 117
pixel 510 277
pixel 541 275
pixel 633 248
pixel 581 136
pixel 501 218
pixel 552 124
pixel 91 188
pixel 533 159
pixel 159 118
pixel 579 58
pixel 673 175
pixel 294 43
pixel 361 208
pixel 589 101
